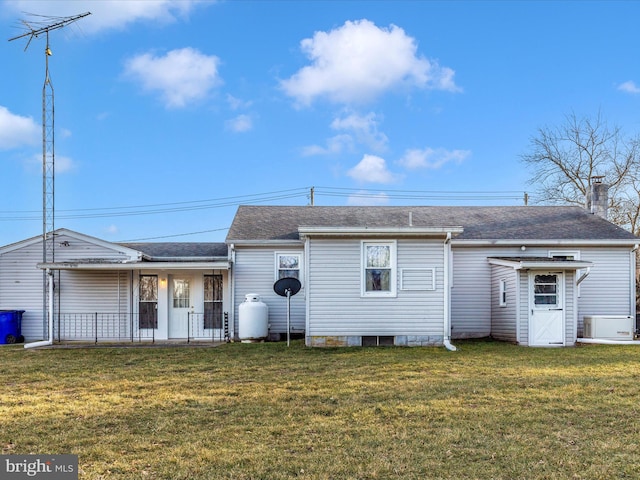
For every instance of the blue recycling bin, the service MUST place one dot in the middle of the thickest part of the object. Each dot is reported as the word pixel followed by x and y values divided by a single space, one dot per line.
pixel 11 326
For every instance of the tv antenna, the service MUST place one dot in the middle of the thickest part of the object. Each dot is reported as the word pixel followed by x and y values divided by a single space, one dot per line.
pixel 34 29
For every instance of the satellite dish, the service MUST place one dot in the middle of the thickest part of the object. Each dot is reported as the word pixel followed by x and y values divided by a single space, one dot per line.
pixel 287 287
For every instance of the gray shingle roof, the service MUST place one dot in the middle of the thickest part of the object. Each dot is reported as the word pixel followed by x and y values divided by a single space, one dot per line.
pixel 183 250
pixel 261 223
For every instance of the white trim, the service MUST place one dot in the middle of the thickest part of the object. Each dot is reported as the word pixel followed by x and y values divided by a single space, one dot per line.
pixel 375 231
pixel 291 253
pixel 524 264
pixel 545 243
pixel 221 265
pixel 393 280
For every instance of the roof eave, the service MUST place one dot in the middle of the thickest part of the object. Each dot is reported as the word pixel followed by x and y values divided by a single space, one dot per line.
pixel 443 231
pixel 549 242
pixel 520 264
pixel 198 265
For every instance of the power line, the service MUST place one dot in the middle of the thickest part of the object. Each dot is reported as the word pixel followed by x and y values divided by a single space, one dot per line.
pixel 264 197
pixel 172 236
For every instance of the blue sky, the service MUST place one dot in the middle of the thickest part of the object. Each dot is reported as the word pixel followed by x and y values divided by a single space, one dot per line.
pixel 168 114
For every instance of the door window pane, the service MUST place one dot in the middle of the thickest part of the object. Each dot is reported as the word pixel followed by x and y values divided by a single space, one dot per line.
pixel 181 297
pixel 545 290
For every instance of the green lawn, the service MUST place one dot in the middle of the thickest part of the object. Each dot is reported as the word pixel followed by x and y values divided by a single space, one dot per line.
pixel 241 411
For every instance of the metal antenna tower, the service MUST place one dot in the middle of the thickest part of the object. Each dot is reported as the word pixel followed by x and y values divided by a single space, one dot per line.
pixel 34 30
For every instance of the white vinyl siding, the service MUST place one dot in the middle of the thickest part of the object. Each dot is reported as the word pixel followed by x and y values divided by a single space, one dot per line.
pixel 21 288
pixel 471 287
pixel 336 307
pixel 607 290
pixel 82 294
pixel 21 282
pixel 504 317
pixel 254 273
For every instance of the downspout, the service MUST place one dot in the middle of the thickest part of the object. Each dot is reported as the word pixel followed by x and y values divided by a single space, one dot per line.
pixel 447 296
pixel 232 290
pixel 307 293
pixel 45 343
pixel 633 301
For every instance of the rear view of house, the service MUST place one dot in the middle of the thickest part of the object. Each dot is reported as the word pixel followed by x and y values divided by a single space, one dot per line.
pixel 429 275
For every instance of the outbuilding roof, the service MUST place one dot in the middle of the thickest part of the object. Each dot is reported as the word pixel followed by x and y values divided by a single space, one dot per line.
pixel 279 223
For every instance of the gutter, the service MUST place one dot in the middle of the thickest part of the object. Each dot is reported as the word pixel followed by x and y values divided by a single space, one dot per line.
pixel 48 342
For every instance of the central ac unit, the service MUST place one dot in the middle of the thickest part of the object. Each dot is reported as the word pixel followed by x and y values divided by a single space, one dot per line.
pixel 609 327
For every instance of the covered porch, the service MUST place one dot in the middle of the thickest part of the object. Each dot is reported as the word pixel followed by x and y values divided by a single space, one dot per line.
pixel 165 295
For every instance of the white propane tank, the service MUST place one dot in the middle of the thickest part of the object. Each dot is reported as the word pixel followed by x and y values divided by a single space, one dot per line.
pixel 253 319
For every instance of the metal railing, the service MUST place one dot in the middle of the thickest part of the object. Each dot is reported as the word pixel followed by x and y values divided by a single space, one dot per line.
pixel 126 327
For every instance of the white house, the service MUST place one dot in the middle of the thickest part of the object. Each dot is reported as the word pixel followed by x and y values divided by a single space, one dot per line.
pixel 413 275
pixel 428 275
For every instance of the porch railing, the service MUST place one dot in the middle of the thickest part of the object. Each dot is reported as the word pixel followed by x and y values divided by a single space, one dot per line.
pixel 125 327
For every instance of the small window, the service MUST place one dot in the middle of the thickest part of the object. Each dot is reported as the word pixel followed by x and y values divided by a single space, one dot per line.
pixel 378 269
pixel 288 265
pixel 503 293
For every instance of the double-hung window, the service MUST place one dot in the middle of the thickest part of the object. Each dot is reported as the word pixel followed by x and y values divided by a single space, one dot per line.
pixel 378 269
pixel 288 265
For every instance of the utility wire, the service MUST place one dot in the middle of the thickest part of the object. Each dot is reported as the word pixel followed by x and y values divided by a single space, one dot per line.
pixel 302 192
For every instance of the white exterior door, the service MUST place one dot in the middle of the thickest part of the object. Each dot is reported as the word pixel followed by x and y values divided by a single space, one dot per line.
pixel 546 323
pixel 180 304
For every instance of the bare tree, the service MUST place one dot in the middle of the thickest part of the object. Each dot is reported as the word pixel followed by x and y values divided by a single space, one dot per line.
pixel 564 160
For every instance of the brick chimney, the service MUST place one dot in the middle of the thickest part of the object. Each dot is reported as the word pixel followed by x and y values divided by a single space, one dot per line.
pixel 598 197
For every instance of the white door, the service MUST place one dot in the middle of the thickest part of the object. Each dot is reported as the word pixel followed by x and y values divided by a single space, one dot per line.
pixel 546 323
pixel 180 306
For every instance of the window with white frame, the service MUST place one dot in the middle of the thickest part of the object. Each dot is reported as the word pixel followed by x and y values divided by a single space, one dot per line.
pixel 288 265
pixel 503 293
pixel 379 269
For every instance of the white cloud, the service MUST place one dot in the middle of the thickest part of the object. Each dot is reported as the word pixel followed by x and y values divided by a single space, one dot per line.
pixel 106 14
pixel 239 124
pixel 432 159
pixel 364 128
pixel 629 87
pixel 182 76
pixel 17 131
pixel 372 169
pixel 360 129
pixel 359 61
pixel 236 103
pixel 368 199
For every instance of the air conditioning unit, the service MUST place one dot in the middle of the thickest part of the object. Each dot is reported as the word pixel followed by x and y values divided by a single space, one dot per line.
pixel 609 327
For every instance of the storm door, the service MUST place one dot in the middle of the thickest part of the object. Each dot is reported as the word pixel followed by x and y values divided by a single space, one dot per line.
pixel 180 306
pixel 546 324
pixel 212 303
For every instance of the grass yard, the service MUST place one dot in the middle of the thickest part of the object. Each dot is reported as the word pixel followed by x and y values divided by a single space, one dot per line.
pixel 242 411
